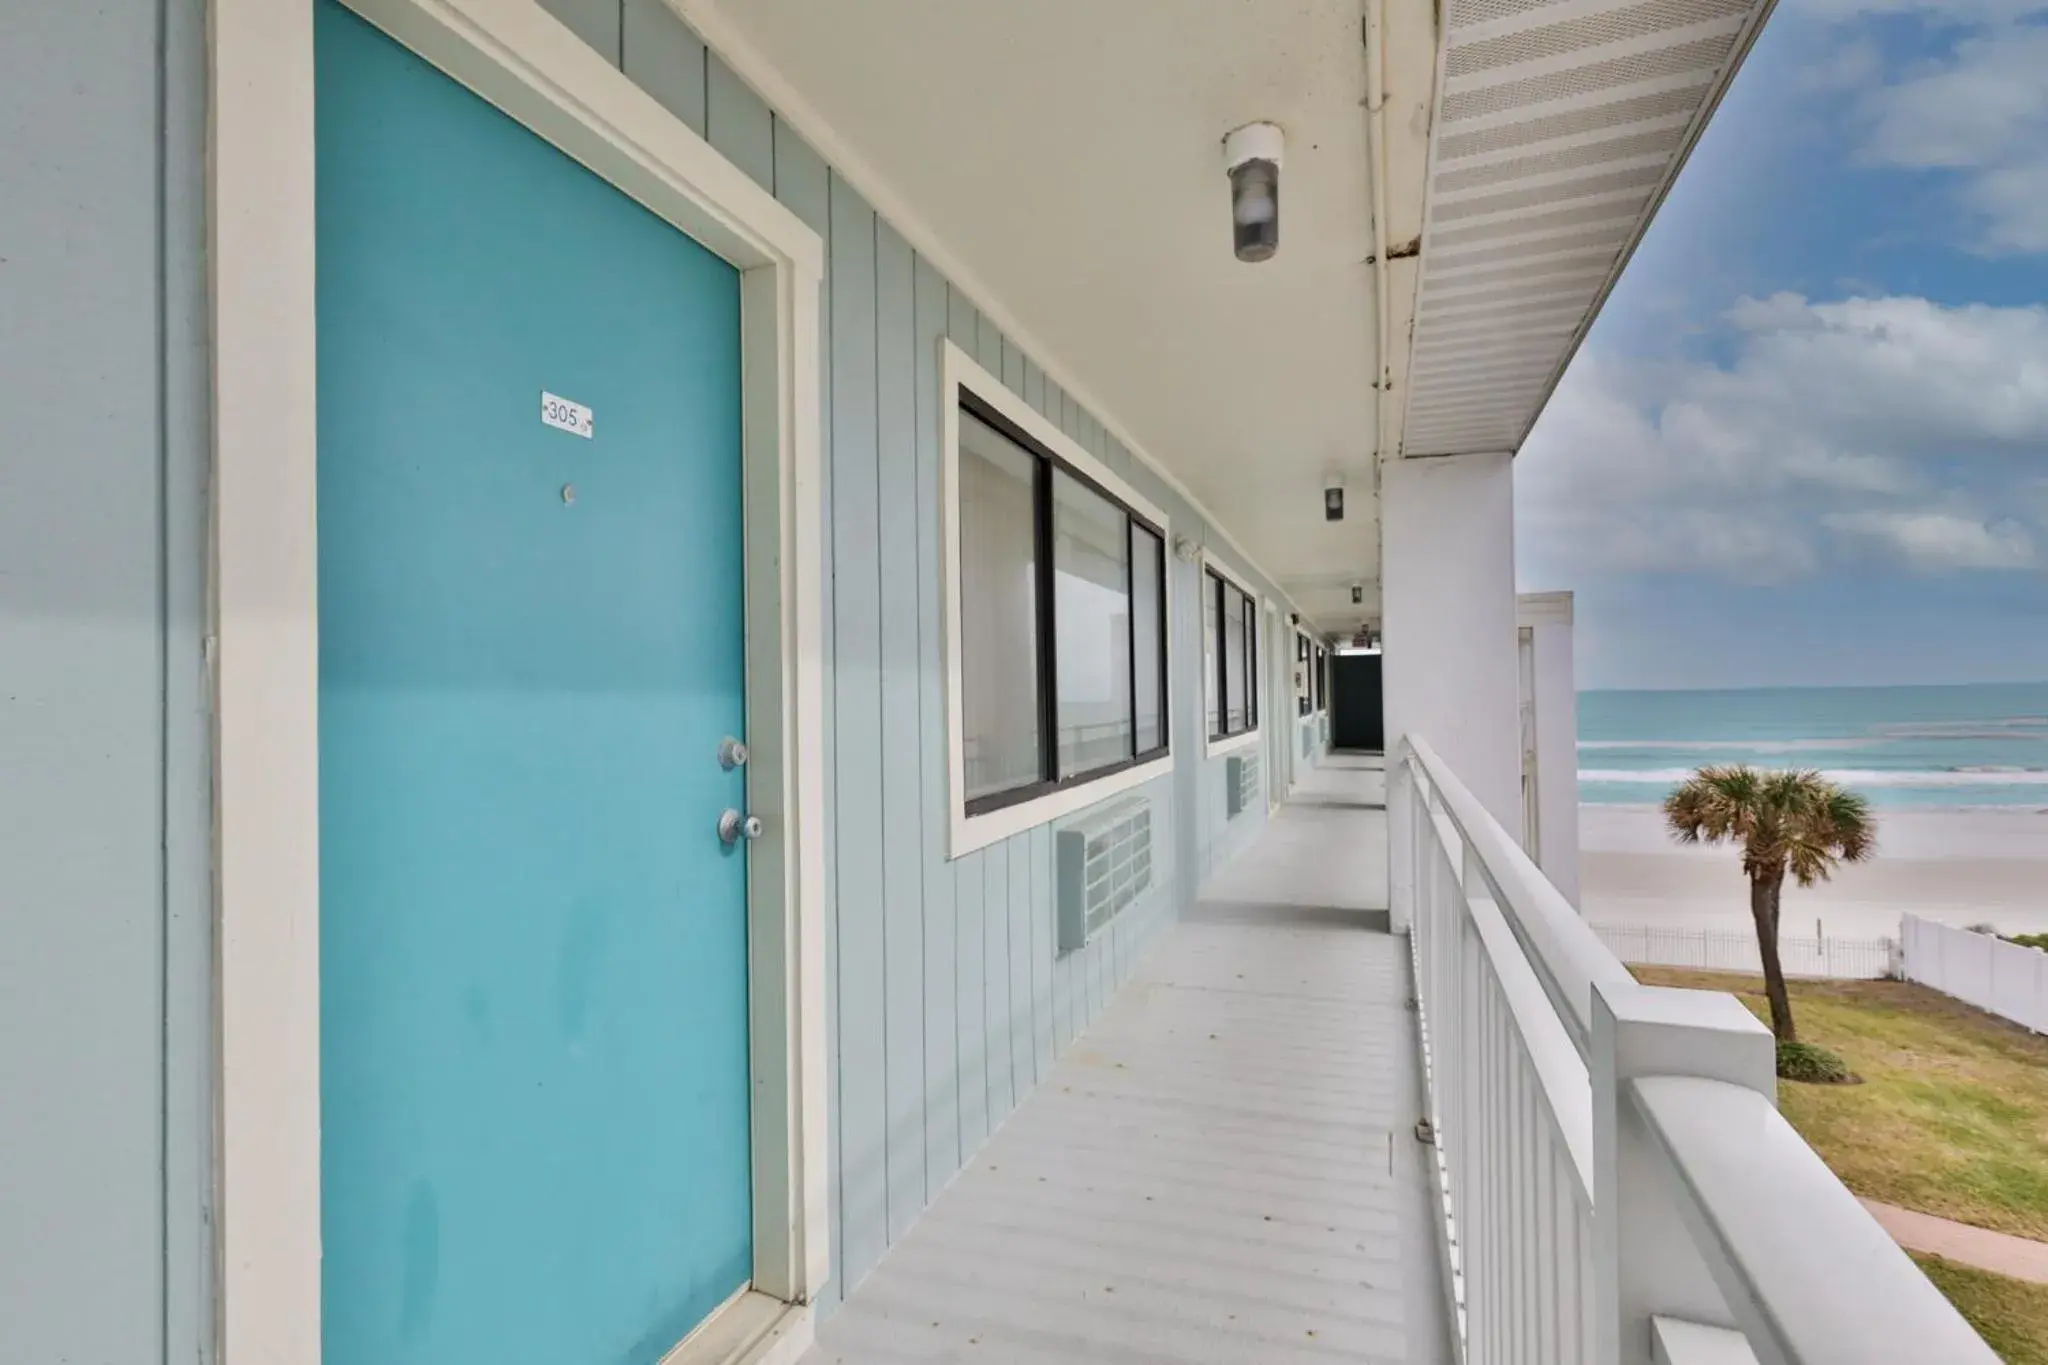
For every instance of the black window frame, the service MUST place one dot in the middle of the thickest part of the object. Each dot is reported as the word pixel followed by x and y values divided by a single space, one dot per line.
pixel 1321 667
pixel 1051 779
pixel 1215 587
pixel 1305 704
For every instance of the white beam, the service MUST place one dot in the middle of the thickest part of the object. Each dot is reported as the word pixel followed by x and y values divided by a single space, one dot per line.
pixel 1448 596
pixel 1547 616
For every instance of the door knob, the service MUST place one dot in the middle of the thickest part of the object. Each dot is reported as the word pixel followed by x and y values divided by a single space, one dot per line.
pixel 731 753
pixel 733 827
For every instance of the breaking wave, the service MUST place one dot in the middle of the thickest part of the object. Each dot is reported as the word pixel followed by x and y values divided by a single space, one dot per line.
pixel 1757 746
pixel 1851 777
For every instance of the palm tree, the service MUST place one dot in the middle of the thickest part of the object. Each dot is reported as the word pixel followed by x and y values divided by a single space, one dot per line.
pixel 1795 821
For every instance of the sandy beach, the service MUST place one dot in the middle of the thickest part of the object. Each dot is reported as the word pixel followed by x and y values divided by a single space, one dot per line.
pixel 1961 867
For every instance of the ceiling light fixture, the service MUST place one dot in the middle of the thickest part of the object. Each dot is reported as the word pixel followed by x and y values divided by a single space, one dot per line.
pixel 1251 155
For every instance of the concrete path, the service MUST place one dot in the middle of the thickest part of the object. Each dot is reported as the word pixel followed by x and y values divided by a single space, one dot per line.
pixel 2001 1253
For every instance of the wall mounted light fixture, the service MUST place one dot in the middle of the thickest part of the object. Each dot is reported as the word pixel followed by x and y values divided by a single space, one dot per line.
pixel 1251 156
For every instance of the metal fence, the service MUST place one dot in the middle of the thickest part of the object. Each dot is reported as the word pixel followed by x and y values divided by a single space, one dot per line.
pixel 1734 950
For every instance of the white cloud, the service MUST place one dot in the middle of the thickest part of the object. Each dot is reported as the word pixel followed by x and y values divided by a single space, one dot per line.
pixel 2014 201
pixel 1938 541
pixel 1940 11
pixel 1866 427
pixel 1966 110
pixel 1897 375
pixel 1982 110
pixel 1855 66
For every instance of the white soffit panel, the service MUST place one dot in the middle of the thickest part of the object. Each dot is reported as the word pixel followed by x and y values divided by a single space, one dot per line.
pixel 1560 126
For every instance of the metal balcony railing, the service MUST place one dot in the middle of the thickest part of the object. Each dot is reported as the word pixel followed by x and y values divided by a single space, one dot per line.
pixel 1615 1181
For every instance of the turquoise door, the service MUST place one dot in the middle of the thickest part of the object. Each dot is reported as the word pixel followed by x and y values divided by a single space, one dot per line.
pixel 533 946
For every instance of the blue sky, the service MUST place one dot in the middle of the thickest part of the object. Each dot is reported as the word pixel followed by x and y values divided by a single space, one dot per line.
pixel 1807 441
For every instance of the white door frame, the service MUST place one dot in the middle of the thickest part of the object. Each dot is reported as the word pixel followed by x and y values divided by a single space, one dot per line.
pixel 264 637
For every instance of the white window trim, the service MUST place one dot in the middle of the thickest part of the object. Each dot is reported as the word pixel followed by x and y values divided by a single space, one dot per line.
pixel 1213 748
pixel 264 638
pixel 957 371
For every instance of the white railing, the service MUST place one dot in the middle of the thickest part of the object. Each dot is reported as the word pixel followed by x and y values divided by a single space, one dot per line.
pixel 1734 950
pixel 2007 979
pixel 1615 1180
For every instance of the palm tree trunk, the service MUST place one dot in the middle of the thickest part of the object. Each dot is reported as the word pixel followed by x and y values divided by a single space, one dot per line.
pixel 1763 908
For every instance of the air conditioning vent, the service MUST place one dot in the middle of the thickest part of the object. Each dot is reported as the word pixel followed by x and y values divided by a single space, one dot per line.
pixel 1104 862
pixel 1242 783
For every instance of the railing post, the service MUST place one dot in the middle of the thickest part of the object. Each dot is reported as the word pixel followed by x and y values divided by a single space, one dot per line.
pixel 1402 814
pixel 1644 1261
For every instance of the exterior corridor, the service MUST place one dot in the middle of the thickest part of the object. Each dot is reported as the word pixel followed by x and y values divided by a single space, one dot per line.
pixel 1223 1168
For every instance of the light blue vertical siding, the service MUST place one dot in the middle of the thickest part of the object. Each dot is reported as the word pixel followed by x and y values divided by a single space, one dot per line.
pixel 188 997
pixel 977 1112
pixel 988 347
pixel 970 923
pixel 1023 966
pixel 668 61
pixel 947 1000
pixel 1044 954
pixel 737 123
pixel 995 978
pixel 856 685
pixel 902 726
pixel 596 22
pixel 105 871
pixel 942 1034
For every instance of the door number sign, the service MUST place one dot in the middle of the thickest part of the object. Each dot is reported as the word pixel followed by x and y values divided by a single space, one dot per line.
pixel 564 415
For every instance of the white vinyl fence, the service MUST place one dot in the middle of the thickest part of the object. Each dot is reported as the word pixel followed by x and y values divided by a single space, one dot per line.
pixel 1734 950
pixel 1978 969
pixel 1613 1178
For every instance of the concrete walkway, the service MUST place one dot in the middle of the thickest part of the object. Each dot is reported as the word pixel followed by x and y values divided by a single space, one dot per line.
pixel 2001 1253
pixel 1221 1170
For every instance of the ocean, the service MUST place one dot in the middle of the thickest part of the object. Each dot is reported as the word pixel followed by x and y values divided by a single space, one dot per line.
pixel 1983 744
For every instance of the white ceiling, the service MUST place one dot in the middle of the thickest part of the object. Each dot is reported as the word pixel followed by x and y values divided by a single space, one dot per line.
pixel 1068 154
pixel 1062 160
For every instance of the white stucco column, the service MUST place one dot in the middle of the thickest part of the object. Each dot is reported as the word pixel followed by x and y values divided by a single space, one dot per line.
pixel 1548 673
pixel 1451 671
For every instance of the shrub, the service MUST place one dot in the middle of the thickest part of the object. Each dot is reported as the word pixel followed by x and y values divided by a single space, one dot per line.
pixel 2036 941
pixel 1814 1065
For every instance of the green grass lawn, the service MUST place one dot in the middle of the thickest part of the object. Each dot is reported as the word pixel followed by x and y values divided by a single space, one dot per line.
pixel 2011 1315
pixel 1952 1115
pixel 1951 1119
